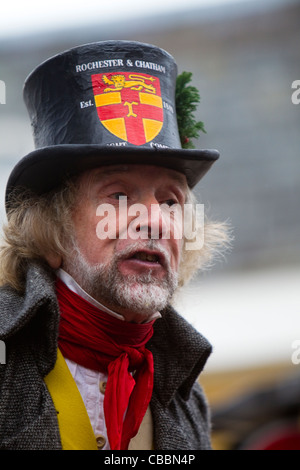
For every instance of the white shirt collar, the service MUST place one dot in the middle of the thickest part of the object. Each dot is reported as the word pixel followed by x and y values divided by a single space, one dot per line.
pixel 75 287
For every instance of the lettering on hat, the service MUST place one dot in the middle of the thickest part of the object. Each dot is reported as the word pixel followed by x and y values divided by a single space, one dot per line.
pixel 100 64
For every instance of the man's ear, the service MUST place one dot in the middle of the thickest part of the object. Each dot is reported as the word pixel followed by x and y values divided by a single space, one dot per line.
pixel 54 260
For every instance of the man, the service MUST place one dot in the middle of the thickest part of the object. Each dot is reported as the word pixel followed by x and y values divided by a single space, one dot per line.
pixel 96 356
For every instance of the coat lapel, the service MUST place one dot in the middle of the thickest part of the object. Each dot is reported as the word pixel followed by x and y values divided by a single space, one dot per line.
pixel 188 351
pixel 29 327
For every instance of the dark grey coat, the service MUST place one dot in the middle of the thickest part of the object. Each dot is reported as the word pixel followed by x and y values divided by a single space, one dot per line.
pixel 29 328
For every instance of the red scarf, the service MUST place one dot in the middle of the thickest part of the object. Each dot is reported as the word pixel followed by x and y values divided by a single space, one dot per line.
pixel 101 342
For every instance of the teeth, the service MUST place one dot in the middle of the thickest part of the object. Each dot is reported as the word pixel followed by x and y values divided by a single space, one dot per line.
pixel 146 257
pixel 152 258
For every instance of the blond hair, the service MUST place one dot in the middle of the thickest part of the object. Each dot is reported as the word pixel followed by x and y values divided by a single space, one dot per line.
pixel 39 226
pixel 216 237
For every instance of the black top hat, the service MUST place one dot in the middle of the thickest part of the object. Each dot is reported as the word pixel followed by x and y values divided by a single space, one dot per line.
pixel 103 103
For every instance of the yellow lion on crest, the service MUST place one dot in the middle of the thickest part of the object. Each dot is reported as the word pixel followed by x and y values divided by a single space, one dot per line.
pixel 136 82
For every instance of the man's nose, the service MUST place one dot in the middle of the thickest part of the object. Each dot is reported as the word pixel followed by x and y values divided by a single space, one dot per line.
pixel 149 220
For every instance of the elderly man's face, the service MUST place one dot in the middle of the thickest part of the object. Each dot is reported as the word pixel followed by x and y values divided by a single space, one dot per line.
pixel 120 257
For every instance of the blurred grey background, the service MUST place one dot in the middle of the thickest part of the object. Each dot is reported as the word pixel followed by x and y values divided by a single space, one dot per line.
pixel 244 57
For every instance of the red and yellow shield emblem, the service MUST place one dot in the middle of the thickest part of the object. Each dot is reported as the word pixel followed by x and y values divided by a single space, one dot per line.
pixel 129 105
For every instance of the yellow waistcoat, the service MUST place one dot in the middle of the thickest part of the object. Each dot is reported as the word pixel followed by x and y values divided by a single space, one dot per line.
pixel 75 427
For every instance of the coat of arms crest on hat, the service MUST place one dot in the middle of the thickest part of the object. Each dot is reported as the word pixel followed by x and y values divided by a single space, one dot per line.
pixel 129 105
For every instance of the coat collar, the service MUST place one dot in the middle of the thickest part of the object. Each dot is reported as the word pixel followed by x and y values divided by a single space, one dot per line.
pixel 187 350
pixel 173 337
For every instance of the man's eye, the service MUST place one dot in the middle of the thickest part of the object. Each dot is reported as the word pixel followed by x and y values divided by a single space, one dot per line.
pixel 170 202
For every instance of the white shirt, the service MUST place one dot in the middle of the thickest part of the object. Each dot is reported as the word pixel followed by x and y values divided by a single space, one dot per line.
pixel 90 383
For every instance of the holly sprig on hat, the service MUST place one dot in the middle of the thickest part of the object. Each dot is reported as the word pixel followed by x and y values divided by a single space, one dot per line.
pixel 187 97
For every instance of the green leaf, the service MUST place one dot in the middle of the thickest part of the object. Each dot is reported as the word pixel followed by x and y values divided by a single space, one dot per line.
pixel 187 97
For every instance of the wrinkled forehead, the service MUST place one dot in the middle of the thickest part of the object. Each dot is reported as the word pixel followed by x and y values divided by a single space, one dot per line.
pixel 131 171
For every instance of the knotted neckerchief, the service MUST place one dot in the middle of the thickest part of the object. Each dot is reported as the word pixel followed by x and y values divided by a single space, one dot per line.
pixel 99 341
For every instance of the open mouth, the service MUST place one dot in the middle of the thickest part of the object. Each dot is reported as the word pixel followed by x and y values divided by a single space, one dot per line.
pixel 143 256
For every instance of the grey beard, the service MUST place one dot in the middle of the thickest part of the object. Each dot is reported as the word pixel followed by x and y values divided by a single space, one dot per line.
pixel 144 294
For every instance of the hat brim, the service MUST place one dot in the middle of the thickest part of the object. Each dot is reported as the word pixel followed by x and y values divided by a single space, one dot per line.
pixel 46 168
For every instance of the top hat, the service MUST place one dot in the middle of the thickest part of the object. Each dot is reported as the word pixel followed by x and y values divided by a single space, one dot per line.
pixel 103 103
